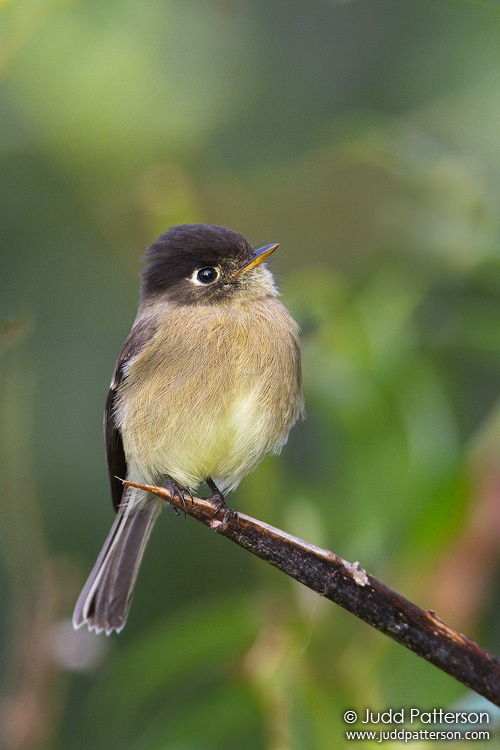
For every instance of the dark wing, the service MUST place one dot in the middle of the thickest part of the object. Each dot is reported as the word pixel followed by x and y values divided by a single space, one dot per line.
pixel 140 334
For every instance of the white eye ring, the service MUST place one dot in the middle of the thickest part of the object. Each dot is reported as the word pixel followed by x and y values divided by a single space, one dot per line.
pixel 205 276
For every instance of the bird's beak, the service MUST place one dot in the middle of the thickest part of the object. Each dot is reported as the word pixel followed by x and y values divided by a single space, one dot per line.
pixel 258 255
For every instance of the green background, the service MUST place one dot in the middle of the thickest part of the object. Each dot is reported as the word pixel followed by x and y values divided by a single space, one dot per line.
pixel 363 136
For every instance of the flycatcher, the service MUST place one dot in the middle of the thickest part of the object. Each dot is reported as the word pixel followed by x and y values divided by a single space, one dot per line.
pixel 208 382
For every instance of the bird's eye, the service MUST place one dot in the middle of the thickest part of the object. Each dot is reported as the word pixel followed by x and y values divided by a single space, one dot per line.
pixel 207 275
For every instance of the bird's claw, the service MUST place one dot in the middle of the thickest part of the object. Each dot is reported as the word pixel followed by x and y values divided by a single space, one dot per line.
pixel 220 504
pixel 182 493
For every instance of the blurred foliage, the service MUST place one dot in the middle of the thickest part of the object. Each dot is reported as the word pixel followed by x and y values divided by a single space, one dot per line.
pixel 363 136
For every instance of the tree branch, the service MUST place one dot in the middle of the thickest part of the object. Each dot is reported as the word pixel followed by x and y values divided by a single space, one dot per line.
pixel 348 585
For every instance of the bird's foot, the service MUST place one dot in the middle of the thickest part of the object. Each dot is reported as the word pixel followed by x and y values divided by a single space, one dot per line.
pixel 181 491
pixel 217 499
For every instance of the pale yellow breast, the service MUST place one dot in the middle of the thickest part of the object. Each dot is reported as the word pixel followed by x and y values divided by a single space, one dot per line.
pixel 212 393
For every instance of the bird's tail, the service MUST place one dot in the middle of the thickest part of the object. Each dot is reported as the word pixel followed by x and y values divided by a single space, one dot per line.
pixel 105 599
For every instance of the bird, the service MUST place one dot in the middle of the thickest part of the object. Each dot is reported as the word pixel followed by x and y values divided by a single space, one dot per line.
pixel 207 383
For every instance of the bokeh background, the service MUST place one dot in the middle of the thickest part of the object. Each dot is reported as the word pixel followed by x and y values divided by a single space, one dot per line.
pixel 364 136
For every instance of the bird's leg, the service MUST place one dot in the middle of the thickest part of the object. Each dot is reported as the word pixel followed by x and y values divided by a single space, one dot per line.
pixel 217 498
pixel 177 489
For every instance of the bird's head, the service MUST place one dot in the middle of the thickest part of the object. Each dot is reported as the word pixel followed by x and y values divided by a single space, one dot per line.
pixel 205 264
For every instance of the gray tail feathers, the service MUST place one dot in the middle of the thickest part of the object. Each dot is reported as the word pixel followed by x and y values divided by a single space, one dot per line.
pixel 105 599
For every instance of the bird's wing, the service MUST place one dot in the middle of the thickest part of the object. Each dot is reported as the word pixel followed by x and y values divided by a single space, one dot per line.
pixel 140 334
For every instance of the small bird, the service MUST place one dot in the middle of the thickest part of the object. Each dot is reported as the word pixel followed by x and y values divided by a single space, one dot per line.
pixel 207 383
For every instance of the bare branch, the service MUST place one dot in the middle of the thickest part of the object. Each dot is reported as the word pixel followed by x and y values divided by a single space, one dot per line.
pixel 348 585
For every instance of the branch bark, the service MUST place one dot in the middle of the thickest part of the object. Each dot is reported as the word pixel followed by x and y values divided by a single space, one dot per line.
pixel 348 585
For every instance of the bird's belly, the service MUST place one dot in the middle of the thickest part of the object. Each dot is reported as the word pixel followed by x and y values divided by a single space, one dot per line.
pixel 214 409
pixel 225 445
pixel 222 438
